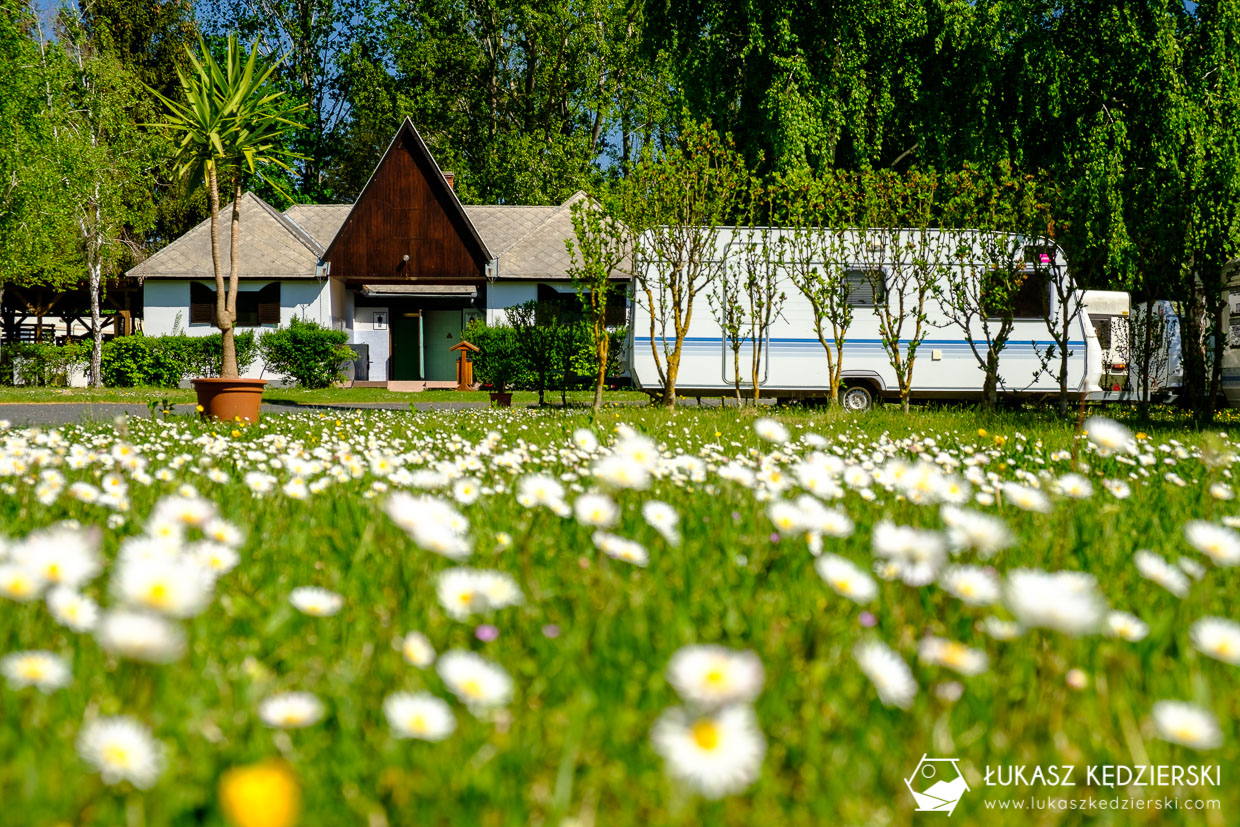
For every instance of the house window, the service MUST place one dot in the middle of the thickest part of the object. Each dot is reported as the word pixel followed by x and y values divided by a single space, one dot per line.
pixel 255 308
pixel 861 287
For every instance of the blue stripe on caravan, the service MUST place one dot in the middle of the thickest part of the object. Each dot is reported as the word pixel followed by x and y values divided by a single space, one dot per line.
pixel 705 341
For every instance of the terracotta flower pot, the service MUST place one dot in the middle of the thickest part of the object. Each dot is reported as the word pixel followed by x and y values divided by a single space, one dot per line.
pixel 229 399
pixel 502 399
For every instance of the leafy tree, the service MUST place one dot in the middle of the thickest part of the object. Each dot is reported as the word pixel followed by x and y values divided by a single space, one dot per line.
pixel 991 217
pixel 316 40
pixel 814 214
pixel 728 309
pixel 230 123
pixel 761 258
pixel 903 257
pixel 105 160
pixel 680 200
pixel 601 253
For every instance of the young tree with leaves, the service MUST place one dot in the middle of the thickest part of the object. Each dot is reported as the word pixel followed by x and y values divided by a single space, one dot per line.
pixel 728 310
pixel 762 255
pixel 813 213
pixel 231 123
pixel 989 215
pixel 682 198
pixel 601 252
pixel 903 256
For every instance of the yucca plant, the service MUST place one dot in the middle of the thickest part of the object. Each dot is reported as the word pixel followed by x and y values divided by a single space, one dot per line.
pixel 231 124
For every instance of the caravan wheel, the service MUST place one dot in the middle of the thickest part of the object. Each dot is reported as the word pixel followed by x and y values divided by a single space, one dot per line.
pixel 856 399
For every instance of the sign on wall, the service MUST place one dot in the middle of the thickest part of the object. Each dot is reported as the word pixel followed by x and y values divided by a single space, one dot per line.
pixel 379 320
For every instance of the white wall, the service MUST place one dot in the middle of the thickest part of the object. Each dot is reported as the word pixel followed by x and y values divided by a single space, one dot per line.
pixel 364 333
pixel 166 307
pixel 503 295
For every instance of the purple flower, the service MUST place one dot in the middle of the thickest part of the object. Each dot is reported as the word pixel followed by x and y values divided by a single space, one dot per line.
pixel 774 536
pixel 868 620
pixel 486 632
pixel 551 630
pixel 736 516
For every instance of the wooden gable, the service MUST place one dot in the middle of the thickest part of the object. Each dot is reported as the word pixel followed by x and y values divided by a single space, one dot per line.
pixel 407 210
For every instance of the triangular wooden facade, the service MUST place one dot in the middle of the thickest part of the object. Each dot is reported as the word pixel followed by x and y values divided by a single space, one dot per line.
pixel 407 224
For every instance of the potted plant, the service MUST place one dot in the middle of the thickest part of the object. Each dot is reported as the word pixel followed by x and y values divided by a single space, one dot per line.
pixel 231 124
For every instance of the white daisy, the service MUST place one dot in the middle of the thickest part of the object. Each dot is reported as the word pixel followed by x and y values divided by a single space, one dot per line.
pixel 712 675
pixel 316 602
pixel 953 655
pixel 888 672
pixel 1191 726
pixel 714 754
pixel 1217 637
pixel 1065 601
pixel 1126 626
pixel 122 750
pixel 596 510
pixel 140 636
pixel 476 681
pixel 1222 545
pixel 418 715
pixel 417 649
pixel 1154 567
pixel 291 710
pixel 973 585
pixel 846 578
pixel 44 670
pixel 73 610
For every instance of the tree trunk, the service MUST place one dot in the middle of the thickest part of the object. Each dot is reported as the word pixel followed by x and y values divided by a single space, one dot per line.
pixel 990 388
pixel 673 368
pixel 96 326
pixel 603 344
pixel 228 370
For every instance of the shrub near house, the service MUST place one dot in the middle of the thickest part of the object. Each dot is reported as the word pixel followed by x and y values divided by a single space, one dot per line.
pixel 307 352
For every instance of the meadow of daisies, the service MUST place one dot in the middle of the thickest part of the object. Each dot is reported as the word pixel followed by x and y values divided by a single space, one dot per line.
pixel 515 617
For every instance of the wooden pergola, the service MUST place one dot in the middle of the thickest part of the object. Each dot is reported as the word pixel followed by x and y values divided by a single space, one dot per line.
pixel 25 311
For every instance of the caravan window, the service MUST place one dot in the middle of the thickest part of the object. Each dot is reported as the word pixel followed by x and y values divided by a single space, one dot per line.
pixel 861 292
pixel 1102 327
pixel 1032 299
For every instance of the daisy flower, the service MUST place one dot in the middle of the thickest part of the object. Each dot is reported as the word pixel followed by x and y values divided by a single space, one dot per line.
pixel 1217 637
pixel 140 636
pixel 72 610
pixel 1185 724
pixel 291 710
pixel 316 602
pixel 1108 435
pixel 1126 626
pixel 1064 601
pixel 714 754
pixel 1154 567
pixel 418 715
pixel 846 578
pixel 475 680
pixel 176 586
pixel 770 430
pixel 417 649
pixel 121 749
pixel 1222 545
pixel 596 510
pixel 888 672
pixel 44 670
pixel 953 655
pixel 973 585
pixel 662 518
pixel 710 676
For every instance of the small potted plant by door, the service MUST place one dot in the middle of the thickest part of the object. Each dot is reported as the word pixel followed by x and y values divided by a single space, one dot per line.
pixel 232 122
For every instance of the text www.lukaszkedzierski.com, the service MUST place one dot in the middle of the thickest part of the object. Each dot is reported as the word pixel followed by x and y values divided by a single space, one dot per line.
pixel 1104 804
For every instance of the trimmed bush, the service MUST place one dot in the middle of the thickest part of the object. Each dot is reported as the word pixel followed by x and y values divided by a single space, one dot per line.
pixel 40 364
pixel 565 357
pixel 307 352
pixel 166 361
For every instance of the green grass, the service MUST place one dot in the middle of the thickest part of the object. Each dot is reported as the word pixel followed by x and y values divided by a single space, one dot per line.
pixel 334 396
pixel 574 742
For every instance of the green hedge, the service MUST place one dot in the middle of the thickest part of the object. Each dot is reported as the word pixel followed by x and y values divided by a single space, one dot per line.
pixel 166 361
pixel 40 364
pixel 307 352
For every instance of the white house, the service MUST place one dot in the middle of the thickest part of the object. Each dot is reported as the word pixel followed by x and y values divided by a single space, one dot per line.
pixel 403 269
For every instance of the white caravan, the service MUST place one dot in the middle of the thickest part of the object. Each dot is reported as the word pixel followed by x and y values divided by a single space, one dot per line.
pixel 1231 324
pixel 794 363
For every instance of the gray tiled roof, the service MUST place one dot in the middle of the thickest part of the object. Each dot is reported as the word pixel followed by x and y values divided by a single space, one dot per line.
pixel 541 252
pixel 271 247
pixel 528 241
pixel 321 221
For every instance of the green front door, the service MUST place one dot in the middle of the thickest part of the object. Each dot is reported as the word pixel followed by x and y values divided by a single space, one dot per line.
pixel 441 330
pixel 404 325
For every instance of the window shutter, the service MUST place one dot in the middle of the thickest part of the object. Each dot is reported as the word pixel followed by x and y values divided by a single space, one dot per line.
pixel 269 305
pixel 201 304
